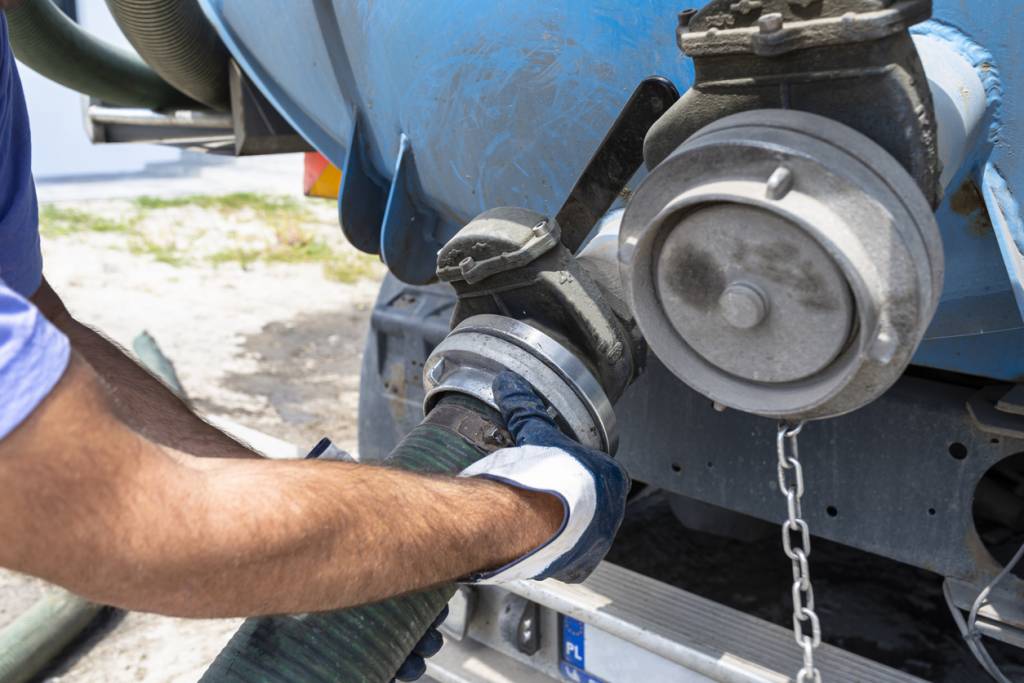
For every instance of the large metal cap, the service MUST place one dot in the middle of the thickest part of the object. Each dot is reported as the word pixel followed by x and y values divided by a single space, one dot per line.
pixel 753 294
pixel 782 264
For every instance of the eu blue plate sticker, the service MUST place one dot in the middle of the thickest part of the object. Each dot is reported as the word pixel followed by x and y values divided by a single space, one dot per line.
pixel 573 646
pixel 574 660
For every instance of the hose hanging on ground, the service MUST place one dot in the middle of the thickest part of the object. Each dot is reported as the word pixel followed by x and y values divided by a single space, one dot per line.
pixel 178 41
pixel 364 644
pixel 30 642
pixel 48 42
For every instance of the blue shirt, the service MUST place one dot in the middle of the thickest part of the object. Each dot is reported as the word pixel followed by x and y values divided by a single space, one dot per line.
pixel 33 353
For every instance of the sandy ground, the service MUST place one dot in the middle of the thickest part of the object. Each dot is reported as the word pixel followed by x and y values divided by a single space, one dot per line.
pixel 273 346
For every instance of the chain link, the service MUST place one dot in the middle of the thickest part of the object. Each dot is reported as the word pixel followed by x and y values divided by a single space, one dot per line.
pixel 796 543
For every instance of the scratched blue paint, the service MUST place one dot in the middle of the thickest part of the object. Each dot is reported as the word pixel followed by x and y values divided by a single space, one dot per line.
pixel 979 327
pixel 503 102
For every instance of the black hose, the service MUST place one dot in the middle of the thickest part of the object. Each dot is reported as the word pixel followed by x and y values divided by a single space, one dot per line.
pixel 48 42
pixel 364 644
pixel 178 41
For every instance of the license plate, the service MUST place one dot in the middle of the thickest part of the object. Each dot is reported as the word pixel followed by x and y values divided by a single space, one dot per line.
pixel 590 655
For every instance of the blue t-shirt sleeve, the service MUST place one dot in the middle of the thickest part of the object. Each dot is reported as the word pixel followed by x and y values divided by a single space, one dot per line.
pixel 33 357
pixel 21 263
pixel 33 353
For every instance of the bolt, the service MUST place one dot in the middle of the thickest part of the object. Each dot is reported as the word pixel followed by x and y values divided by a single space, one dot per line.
pixel 436 371
pixel 779 184
pixel 743 306
pixel 494 437
pixel 526 631
pixel 542 228
pixel 466 265
pixel 770 23
pixel 883 348
pixel 719 407
pixel 686 16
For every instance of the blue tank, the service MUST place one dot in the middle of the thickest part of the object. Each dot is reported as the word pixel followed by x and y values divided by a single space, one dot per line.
pixel 439 111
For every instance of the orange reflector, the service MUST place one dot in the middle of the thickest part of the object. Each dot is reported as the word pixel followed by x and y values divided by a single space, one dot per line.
pixel 321 178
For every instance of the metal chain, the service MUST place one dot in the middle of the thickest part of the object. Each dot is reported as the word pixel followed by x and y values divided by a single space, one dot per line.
pixel 791 484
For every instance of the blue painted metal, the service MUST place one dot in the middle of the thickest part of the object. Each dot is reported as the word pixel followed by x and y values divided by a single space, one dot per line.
pixel 979 327
pixel 363 196
pixel 408 237
pixel 1008 226
pixel 503 103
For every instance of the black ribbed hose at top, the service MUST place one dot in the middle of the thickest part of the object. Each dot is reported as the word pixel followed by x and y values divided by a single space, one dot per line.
pixel 365 644
pixel 178 41
pixel 48 42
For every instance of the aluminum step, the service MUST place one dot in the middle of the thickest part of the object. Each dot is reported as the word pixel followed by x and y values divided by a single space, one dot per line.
pixel 709 641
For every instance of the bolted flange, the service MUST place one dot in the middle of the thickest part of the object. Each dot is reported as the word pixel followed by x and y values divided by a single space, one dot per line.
pixel 782 264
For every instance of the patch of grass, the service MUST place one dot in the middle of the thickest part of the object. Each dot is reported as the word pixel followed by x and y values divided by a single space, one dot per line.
pixel 341 267
pixel 308 250
pixel 55 221
pixel 351 268
pixel 301 252
pixel 270 208
pixel 242 257
pixel 163 253
pixel 292 243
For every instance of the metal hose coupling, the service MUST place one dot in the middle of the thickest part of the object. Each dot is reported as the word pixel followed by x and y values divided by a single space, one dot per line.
pixel 481 346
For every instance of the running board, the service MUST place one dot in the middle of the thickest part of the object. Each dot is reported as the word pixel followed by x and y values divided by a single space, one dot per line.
pixel 620 627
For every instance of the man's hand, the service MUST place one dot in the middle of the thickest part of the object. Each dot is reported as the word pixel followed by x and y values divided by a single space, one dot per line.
pixel 590 485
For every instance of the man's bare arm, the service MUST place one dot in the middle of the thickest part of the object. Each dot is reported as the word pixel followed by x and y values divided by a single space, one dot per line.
pixel 95 507
pixel 141 400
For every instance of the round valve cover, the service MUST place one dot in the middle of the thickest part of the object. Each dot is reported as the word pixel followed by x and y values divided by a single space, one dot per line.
pixel 782 264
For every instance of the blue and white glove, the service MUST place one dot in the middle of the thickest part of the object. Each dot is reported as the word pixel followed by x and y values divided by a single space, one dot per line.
pixel 591 486
pixel 415 664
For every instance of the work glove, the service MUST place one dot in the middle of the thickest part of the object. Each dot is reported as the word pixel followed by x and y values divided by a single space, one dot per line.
pixel 591 486
pixel 415 664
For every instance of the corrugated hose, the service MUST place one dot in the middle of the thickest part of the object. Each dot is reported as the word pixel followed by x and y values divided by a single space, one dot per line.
pixel 364 644
pixel 48 42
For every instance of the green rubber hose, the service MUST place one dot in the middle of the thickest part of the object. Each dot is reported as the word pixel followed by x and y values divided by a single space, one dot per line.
pixel 30 642
pixel 364 644
pixel 180 43
pixel 48 42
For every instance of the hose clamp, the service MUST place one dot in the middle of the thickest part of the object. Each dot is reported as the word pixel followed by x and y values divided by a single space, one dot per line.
pixel 479 348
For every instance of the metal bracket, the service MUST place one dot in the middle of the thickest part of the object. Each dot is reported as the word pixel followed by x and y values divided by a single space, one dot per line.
pixel 1008 226
pixel 767 31
pixel 1002 616
pixel 363 196
pixel 259 127
pixel 409 227
pixel 387 220
pixel 995 410
pixel 617 159
pixel 848 60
